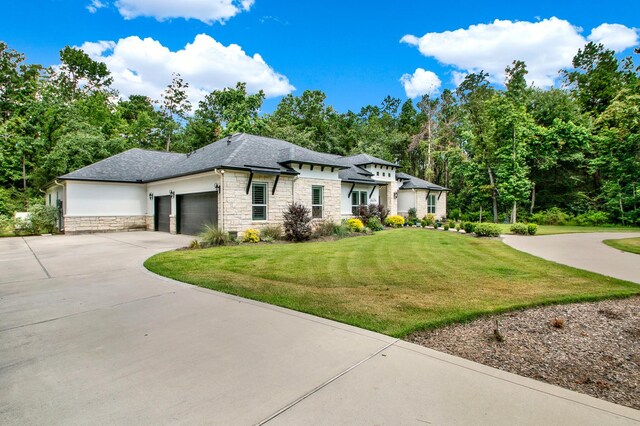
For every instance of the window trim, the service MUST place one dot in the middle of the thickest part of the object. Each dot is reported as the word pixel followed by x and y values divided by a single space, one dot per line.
pixel 320 205
pixel 266 201
pixel 355 208
pixel 431 207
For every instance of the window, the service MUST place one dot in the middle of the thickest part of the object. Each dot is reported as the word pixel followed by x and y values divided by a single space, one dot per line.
pixel 431 204
pixel 259 201
pixel 378 173
pixel 317 199
pixel 358 198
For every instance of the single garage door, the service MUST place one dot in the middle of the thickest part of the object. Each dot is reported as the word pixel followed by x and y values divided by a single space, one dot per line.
pixel 161 213
pixel 195 211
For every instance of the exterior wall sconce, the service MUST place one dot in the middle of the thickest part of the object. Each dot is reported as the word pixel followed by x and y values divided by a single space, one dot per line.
pixel 151 195
pixel 216 187
pixel 395 194
pixel 172 193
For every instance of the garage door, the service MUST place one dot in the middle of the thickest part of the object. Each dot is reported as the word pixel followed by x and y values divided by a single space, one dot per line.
pixel 161 212
pixel 196 210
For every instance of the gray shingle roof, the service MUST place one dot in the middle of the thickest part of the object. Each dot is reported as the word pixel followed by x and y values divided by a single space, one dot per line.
pixel 239 151
pixel 134 165
pixel 412 182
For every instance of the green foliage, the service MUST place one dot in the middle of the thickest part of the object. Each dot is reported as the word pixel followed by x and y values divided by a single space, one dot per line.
pixel 297 220
pixel 519 229
pixel 458 226
pixel 468 227
pixel 592 219
pixel 455 214
pixel 324 228
pixel 532 229
pixel 429 219
pixel 445 227
pixel 375 224
pixel 251 236
pixel 43 218
pixel 272 231
pixel 553 216
pixel 395 221
pixel 211 236
pixel 355 224
pixel 486 230
pixel 7 225
pixel 373 210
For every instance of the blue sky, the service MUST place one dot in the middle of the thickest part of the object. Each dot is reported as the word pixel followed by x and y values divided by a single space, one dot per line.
pixel 351 50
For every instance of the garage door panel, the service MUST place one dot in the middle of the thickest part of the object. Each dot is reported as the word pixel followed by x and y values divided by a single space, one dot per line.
pixel 197 210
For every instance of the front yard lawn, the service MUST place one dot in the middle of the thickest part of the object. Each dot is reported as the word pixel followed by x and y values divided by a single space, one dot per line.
pixel 632 245
pixel 394 282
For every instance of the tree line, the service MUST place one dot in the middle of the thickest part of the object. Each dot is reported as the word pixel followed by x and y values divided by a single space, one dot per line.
pixel 505 152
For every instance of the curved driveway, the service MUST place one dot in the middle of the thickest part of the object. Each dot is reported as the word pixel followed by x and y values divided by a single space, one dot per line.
pixel 87 336
pixel 583 251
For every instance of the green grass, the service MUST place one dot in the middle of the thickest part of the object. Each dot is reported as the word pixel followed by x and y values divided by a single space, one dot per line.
pixel 393 282
pixel 571 229
pixel 632 245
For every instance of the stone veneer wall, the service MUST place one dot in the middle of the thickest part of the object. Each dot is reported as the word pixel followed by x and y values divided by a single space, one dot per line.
pixel 234 207
pixel 441 204
pixel 87 224
pixel 150 222
pixel 392 202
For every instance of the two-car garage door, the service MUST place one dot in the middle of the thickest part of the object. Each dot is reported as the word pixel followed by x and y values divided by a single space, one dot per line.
pixel 193 211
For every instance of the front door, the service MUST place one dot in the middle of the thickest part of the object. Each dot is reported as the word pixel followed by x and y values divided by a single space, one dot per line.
pixel 162 212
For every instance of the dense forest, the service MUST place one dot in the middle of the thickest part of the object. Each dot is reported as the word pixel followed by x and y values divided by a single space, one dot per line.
pixel 505 151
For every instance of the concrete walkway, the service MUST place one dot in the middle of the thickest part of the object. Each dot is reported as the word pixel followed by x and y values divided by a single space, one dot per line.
pixel 87 336
pixel 584 251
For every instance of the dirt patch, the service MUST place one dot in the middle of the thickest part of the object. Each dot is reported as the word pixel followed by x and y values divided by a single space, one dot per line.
pixel 592 348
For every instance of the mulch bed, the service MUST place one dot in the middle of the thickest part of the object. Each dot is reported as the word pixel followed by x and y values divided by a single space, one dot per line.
pixel 592 348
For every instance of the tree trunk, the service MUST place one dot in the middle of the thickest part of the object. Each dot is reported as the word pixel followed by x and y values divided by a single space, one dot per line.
pixel 533 198
pixel 514 216
pixel 168 141
pixel 621 210
pixel 480 214
pixel 494 195
pixel 24 174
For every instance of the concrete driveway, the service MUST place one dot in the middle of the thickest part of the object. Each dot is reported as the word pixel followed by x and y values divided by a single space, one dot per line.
pixel 87 336
pixel 584 251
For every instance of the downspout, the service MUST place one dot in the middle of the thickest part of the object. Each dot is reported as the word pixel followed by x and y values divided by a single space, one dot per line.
pixel 220 173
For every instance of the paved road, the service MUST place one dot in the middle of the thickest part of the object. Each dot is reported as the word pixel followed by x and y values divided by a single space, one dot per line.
pixel 584 251
pixel 87 336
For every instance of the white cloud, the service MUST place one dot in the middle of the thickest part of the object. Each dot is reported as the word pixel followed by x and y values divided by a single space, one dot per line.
pixel 420 83
pixel 144 67
pixel 95 5
pixel 546 46
pixel 614 36
pixel 207 11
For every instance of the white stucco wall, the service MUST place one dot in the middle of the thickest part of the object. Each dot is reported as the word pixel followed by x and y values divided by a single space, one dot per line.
pixel 345 198
pixel 53 194
pixel 317 172
pixel 204 182
pixel 104 199
pixel 382 173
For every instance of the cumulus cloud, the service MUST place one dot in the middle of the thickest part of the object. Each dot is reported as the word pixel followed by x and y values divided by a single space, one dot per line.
pixel 546 46
pixel 207 11
pixel 614 36
pixel 95 5
pixel 420 83
pixel 144 67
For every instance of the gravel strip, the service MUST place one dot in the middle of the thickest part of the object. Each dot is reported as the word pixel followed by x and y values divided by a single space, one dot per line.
pixel 592 348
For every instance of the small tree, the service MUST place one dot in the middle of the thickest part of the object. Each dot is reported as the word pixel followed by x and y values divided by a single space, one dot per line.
pixel 175 103
pixel 297 220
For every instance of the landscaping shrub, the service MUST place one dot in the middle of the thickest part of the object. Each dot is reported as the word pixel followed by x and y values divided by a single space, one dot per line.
pixel 373 210
pixel 251 236
pixel 325 228
pixel 211 236
pixel 342 230
pixel 471 216
pixel 274 232
pixel 436 224
pixel 468 227
pixel 375 224
pixel 429 218
pixel 395 221
pixel 446 227
pixel 532 229
pixel 7 225
pixel 552 216
pixel 458 227
pixel 592 218
pixel 43 219
pixel 487 230
pixel 296 222
pixel 519 229
pixel 267 239
pixel 454 214
pixel 412 214
pixel 355 225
